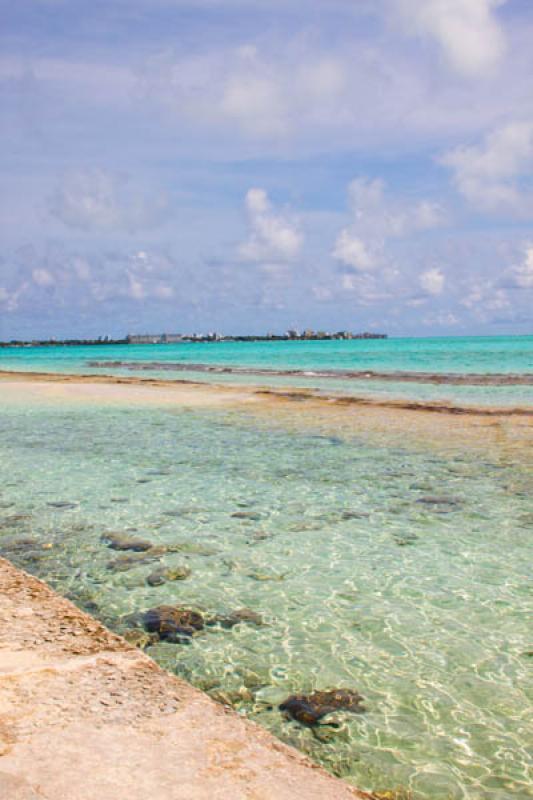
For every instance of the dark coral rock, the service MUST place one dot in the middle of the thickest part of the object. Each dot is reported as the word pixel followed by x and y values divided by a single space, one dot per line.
pixel 173 623
pixel 309 709
pixel 119 541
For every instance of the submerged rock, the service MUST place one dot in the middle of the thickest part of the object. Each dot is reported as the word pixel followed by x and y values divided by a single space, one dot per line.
pixel 254 516
pixel 191 547
pixel 354 514
pixel 260 536
pixel 245 615
pixel 120 541
pixel 173 623
pixel 15 519
pixel 403 540
pixel 181 512
pixel 140 639
pixel 231 698
pixel 164 574
pixel 309 709
pixel 258 575
pixel 130 560
pixel 438 500
pixel 19 545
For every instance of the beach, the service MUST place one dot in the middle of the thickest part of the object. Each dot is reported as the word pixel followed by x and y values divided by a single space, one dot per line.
pixel 328 540
pixel 85 715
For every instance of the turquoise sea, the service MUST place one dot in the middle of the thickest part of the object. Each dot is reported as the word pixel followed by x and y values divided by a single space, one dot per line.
pixel 296 364
pixel 397 568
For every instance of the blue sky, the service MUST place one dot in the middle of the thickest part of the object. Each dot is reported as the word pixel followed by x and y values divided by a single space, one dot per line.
pixel 253 165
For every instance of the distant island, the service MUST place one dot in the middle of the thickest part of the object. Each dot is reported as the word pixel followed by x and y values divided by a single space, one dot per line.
pixel 174 338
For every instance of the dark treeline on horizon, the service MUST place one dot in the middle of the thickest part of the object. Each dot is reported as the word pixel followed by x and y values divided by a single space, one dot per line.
pixel 291 335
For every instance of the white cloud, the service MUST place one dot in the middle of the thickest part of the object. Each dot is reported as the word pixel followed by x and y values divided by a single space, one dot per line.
pixel 135 288
pixel 432 281
pixel 490 175
pixel 269 97
pixel 267 94
pixel 522 275
pixel 467 31
pixel 100 200
pixel 352 251
pixel 377 218
pixel 256 103
pixel 42 277
pixel 297 88
pixel 273 237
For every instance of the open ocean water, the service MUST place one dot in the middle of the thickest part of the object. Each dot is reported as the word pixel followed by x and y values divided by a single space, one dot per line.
pixel 400 571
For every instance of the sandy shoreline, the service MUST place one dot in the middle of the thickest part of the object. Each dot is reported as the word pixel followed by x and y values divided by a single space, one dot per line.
pixel 214 390
pixel 85 716
pixel 507 430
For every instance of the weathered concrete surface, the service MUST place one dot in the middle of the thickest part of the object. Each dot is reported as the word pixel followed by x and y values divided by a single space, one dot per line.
pixel 84 716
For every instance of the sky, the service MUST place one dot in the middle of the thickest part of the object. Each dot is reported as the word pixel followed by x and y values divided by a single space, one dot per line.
pixel 246 166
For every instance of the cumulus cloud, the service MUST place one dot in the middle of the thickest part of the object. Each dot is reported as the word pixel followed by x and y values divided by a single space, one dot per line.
pixel 432 281
pixel 485 301
pixel 491 175
pixel 521 275
pixel 353 252
pixel 377 218
pixel 467 31
pixel 274 237
pixel 82 282
pixel 98 200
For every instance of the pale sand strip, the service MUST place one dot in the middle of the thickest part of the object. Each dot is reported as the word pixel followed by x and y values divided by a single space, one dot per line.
pixel 196 389
pixel 84 716
pixel 508 435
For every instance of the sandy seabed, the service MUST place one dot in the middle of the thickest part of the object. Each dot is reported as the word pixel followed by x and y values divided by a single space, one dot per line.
pixel 440 425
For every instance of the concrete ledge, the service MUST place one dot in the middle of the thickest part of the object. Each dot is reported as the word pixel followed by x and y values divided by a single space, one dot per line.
pixel 84 716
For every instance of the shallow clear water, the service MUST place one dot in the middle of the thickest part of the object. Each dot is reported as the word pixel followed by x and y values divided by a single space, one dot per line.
pixel 421 607
pixel 479 355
